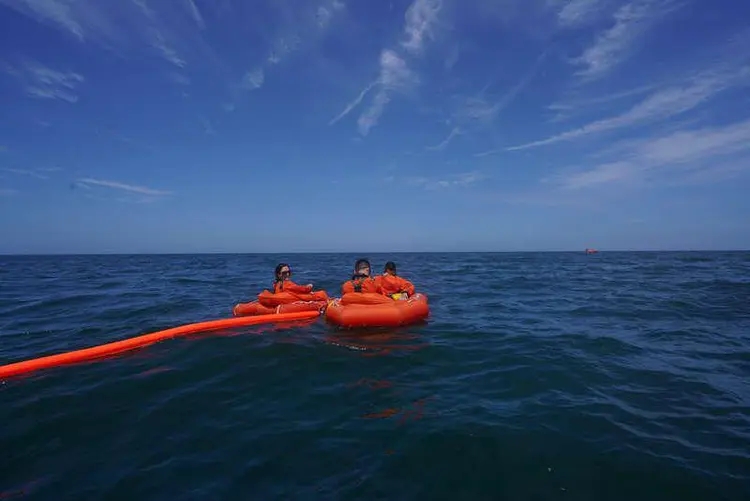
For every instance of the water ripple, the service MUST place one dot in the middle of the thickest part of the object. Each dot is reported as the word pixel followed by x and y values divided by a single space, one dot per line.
pixel 612 376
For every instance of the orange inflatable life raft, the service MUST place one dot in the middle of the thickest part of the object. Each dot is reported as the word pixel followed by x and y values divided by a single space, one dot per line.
pixel 365 309
pixel 283 302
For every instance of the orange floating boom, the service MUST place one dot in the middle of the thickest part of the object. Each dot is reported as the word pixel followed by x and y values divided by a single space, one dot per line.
pixel 115 347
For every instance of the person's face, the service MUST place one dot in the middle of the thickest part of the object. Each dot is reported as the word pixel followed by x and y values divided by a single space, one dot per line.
pixel 364 270
pixel 285 272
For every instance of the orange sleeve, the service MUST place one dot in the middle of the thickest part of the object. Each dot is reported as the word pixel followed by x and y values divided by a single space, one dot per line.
pixel 392 284
pixel 347 287
pixel 290 286
pixel 385 284
pixel 406 286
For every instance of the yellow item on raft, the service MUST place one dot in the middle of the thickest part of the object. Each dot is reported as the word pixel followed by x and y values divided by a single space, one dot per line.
pixel 400 296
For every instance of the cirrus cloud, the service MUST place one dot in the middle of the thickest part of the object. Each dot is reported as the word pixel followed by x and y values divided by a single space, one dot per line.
pixel 117 185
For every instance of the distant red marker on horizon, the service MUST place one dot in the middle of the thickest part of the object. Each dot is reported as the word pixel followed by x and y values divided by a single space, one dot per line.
pixel 591 251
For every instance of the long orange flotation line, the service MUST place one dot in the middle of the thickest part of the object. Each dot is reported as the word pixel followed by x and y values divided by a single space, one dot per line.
pixel 115 347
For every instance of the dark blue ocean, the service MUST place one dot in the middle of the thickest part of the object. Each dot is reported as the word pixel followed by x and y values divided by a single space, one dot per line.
pixel 549 376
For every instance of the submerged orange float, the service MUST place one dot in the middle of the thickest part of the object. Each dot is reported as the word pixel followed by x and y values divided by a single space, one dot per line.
pixel 364 309
pixel 283 302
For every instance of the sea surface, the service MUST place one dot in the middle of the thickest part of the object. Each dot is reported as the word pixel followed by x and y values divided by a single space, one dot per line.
pixel 539 376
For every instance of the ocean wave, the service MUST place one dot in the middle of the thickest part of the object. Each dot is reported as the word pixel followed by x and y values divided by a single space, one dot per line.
pixel 535 373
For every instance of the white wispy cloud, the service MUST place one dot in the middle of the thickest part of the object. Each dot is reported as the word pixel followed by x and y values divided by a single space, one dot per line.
pixel 6 192
pixel 43 82
pixel 50 12
pixel 304 23
pixel 453 133
pixel 301 26
pixel 603 173
pixel 479 108
pixel 455 180
pixel 193 10
pixel 167 52
pixel 282 47
pixel 578 12
pixel 253 79
pixel 665 103
pixel 479 111
pixel 326 13
pixel 690 150
pixel 394 75
pixel 354 103
pixel 720 171
pixel 612 46
pixel 36 173
pixel 567 108
pixel 141 190
pixel 394 72
pixel 421 17
pixel 124 25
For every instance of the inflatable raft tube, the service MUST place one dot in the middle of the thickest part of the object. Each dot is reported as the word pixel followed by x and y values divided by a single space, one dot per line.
pixel 362 309
pixel 116 347
pixel 256 308
pixel 272 300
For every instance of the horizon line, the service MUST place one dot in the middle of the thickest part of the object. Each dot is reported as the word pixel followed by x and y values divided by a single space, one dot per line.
pixel 247 253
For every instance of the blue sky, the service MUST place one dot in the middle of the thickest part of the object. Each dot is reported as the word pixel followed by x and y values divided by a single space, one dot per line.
pixel 342 125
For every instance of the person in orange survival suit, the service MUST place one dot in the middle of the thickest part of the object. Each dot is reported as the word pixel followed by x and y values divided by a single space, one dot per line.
pixel 393 285
pixel 284 283
pixel 361 280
